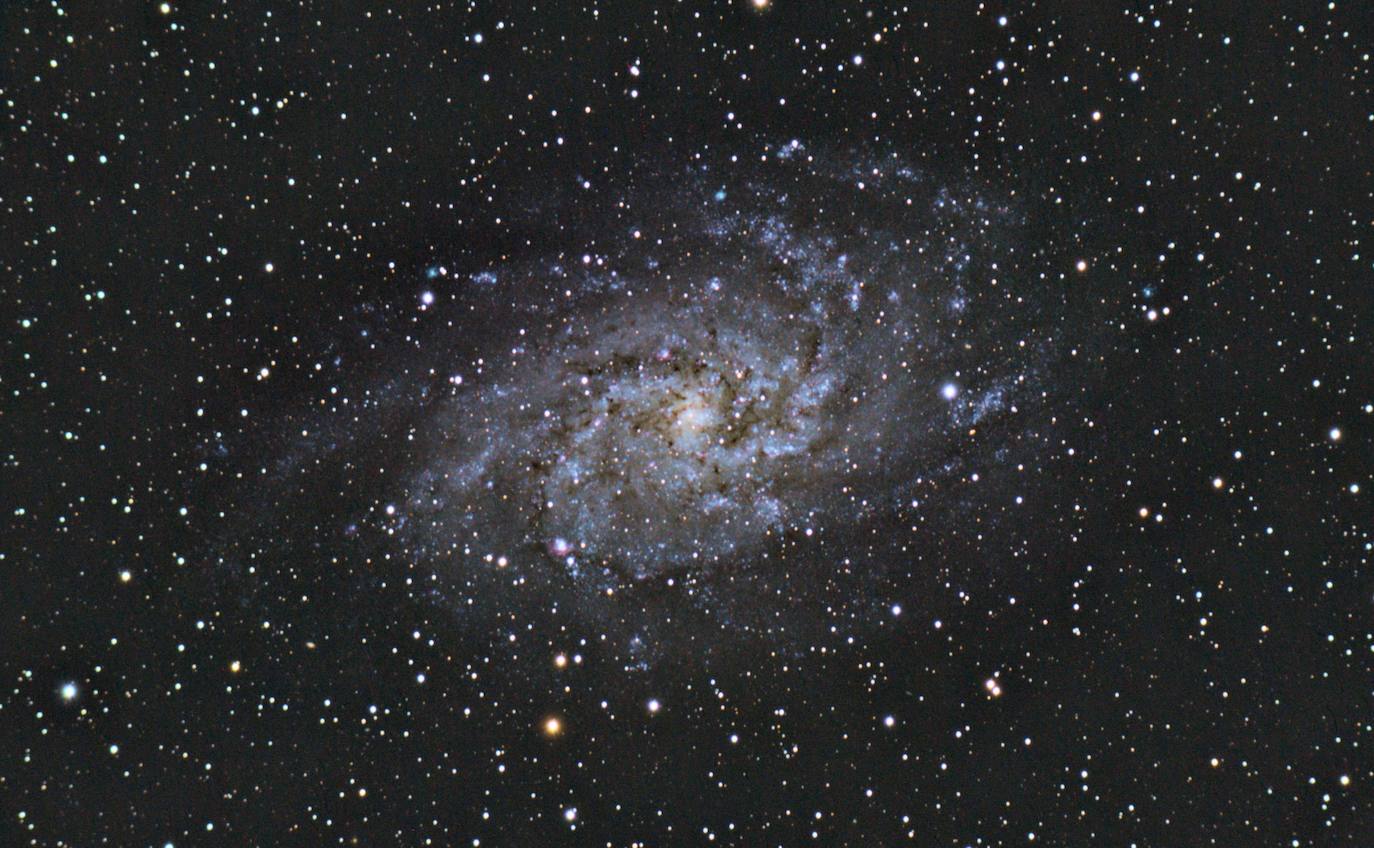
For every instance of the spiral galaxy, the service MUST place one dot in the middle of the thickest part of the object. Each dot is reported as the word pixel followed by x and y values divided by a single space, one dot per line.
pixel 747 354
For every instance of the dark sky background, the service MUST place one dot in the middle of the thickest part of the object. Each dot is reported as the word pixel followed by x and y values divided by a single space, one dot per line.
pixel 1180 642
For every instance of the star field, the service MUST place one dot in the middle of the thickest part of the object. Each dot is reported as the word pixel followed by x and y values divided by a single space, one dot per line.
pixel 753 423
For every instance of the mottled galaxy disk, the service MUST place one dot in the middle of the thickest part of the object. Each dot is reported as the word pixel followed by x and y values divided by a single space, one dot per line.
pixel 718 368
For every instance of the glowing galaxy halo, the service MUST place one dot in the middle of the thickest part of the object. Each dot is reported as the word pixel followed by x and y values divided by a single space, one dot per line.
pixel 734 371
pixel 704 393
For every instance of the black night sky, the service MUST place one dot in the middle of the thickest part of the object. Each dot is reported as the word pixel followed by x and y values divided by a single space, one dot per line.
pixel 757 423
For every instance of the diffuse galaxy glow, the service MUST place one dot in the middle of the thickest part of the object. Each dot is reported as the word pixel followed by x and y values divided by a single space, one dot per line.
pixel 748 354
